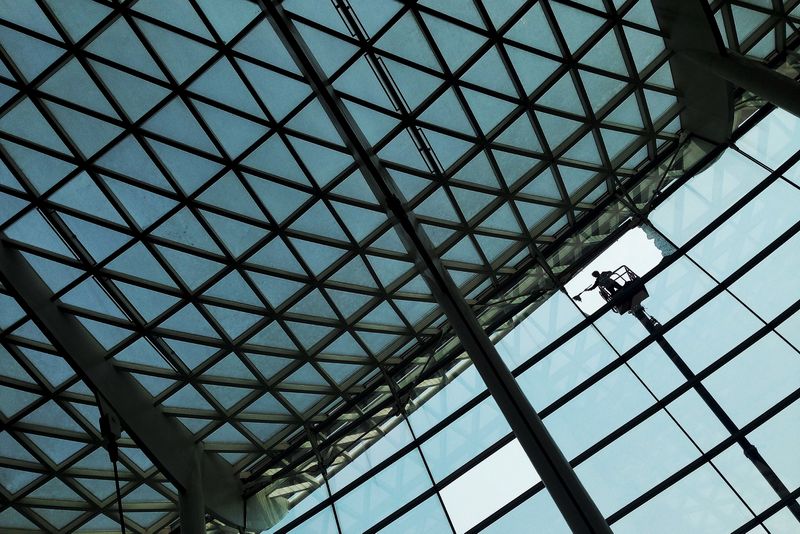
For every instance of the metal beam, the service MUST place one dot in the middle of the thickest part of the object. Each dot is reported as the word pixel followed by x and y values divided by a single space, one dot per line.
pixel 169 445
pixel 707 98
pixel 570 496
pixel 750 451
pixel 751 75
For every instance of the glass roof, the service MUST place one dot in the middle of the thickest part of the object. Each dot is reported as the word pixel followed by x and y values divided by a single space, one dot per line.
pixel 172 177
pixel 54 473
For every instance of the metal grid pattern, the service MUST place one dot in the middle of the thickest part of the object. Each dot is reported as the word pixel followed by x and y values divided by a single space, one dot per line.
pixel 54 473
pixel 180 190
pixel 639 436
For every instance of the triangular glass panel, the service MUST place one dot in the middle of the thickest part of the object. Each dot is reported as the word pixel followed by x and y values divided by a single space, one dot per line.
pixel 119 44
pixel 189 170
pixel 42 170
pixel 264 44
pixel 234 288
pixel 127 157
pixel 471 202
pixel 404 31
pixel 222 83
pixel 100 241
pixel 280 93
pixel 488 110
pixel 348 302
pixel 25 121
pixel 606 55
pixel 331 52
pixel 181 55
pixel 82 194
pixel 273 157
pixel 463 251
pixel 478 171
pixel 229 193
pixel 272 336
pixel 71 82
pixel 144 206
pixel 601 89
pixel 576 25
pixel 323 163
pixel 229 17
pixel 150 304
pixel 88 133
pixel 78 16
pixel 135 95
pixel 447 112
pixel 414 84
pixel 234 133
pixel 308 334
pixel 520 134
pixel 30 55
pixel 455 43
pixel 314 305
pixel 318 257
pixel 388 270
pixel 356 273
pixel 645 47
pixel 490 72
pixel 359 222
pixel 312 120
pixel 556 129
pixel 174 121
pixel 184 228
pixel 188 320
pixel 276 255
pixel 280 200
pixel 534 30
pixel 575 179
pixel 533 214
pixel 238 237
pixel 544 185
pixel 178 13
pixel 227 396
pixel 502 219
pixel 584 151
pixel 317 220
pixel 192 269
pixel 513 166
pixel 437 206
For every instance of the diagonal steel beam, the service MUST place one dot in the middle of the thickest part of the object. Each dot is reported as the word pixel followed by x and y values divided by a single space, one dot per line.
pixel 567 491
pixel 165 442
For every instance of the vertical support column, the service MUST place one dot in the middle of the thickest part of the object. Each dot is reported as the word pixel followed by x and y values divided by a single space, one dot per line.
pixel 751 75
pixel 192 500
pixel 570 496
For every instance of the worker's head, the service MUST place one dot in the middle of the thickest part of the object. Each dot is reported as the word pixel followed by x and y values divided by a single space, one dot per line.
pixel 595 274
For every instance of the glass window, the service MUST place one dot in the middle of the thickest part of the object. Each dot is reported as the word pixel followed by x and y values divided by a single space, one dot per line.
pixel 706 196
pixel 566 367
pixel 382 494
pixel 773 140
pixel 748 231
pixel 537 514
pixel 711 331
pixel 488 486
pixel 635 462
pixel 701 502
pixel 464 438
pixel 756 379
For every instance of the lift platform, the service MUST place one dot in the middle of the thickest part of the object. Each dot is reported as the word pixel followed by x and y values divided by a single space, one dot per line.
pixel 630 297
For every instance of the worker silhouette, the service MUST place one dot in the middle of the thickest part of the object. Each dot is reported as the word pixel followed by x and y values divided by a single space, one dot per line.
pixel 605 281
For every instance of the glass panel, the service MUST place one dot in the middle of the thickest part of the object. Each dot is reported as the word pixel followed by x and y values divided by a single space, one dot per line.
pixel 739 238
pixel 689 209
pixel 701 502
pixel 467 499
pixel 382 494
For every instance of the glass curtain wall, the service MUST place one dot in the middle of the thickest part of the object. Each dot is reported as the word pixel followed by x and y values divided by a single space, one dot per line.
pixel 642 439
